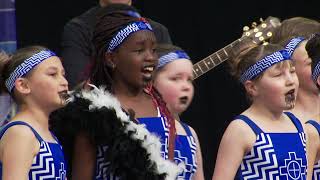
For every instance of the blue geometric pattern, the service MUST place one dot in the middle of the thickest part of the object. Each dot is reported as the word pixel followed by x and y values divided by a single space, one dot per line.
pixel 125 32
pixel 185 145
pixel 49 162
pixel 185 150
pixel 293 168
pixel 278 156
pixel 165 59
pixel 316 72
pixel 293 44
pixel 26 66
pixel 263 64
pixel 261 162
pixel 102 166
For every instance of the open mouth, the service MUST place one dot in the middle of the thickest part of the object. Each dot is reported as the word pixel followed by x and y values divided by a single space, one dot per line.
pixel 184 99
pixel 290 95
pixel 290 98
pixel 65 95
pixel 147 71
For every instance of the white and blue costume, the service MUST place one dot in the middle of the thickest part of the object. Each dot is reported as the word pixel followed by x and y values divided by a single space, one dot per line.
pixel 185 149
pixel 49 163
pixel 278 156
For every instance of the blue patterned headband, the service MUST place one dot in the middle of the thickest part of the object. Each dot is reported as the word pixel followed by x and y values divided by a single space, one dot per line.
pixel 125 32
pixel 316 72
pixel 27 66
pixel 293 44
pixel 263 64
pixel 165 59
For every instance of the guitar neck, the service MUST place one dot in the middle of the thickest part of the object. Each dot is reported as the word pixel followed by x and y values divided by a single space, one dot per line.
pixel 214 59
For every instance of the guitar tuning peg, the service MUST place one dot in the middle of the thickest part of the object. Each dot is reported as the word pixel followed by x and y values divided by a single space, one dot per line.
pixel 245 28
pixel 254 24
pixel 265 43
pixel 261 20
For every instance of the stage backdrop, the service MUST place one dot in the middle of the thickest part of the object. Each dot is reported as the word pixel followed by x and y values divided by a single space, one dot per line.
pixel 200 28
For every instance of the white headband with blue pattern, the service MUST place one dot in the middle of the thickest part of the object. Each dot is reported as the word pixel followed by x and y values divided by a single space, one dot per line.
pixel 316 72
pixel 27 66
pixel 293 44
pixel 125 32
pixel 263 64
pixel 165 59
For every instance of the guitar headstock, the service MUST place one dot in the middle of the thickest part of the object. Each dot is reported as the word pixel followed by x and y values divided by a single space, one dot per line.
pixel 260 33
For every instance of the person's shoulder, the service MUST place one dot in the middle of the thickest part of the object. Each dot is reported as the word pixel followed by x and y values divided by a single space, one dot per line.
pixel 19 133
pixel 84 19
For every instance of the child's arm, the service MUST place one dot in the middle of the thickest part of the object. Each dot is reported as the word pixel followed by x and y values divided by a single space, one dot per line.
pixel 237 140
pixel 84 159
pixel 313 143
pixel 199 173
pixel 18 148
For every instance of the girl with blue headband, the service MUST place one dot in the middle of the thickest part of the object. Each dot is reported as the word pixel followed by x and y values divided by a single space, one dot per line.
pixel 103 124
pixel 263 142
pixel 312 126
pixel 308 98
pixel 34 77
pixel 293 34
pixel 173 79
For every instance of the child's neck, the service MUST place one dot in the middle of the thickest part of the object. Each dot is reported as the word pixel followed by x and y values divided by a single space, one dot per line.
pixel 33 116
pixel 307 105
pixel 259 110
pixel 121 89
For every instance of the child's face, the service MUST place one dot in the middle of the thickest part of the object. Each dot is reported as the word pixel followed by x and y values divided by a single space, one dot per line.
pixel 48 84
pixel 278 86
pixel 136 59
pixel 303 68
pixel 174 82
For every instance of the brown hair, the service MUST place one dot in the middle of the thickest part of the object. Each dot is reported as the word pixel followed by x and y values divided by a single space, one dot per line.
pixel 249 57
pixel 293 27
pixel 8 65
pixel 4 58
pixel 108 24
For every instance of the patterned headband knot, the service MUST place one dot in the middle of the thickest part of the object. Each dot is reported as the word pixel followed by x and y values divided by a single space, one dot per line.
pixel 26 66
pixel 167 58
pixel 125 32
pixel 316 72
pixel 263 64
pixel 293 44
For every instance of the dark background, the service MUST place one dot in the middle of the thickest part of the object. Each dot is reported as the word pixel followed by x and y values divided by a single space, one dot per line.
pixel 200 28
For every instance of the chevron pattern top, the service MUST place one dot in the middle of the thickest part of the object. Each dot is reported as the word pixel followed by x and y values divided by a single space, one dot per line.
pixel 27 66
pixel 316 167
pixel 125 32
pixel 165 59
pixel 316 72
pixel 49 163
pixel 185 150
pixel 263 64
pixel 276 156
pixel 185 145
pixel 293 44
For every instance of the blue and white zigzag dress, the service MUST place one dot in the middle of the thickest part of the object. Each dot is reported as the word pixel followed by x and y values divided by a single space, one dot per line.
pixel 48 164
pixel 316 167
pixel 185 149
pixel 277 156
